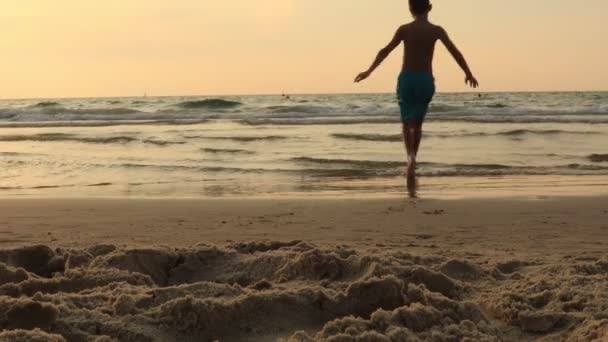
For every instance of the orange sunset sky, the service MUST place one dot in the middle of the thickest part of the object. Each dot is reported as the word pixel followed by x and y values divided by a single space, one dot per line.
pixel 75 48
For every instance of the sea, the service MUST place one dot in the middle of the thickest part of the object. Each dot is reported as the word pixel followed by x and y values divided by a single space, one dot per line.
pixel 298 145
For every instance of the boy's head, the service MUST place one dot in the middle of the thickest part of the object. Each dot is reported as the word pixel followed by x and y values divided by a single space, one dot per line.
pixel 420 7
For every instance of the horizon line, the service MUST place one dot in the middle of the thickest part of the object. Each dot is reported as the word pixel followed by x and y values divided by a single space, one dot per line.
pixel 297 94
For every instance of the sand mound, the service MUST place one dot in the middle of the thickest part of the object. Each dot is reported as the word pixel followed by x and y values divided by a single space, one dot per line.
pixel 292 291
pixel 12 275
pixel 35 335
pixel 426 316
pixel 26 314
pixel 463 270
pixel 155 263
pixel 511 266
pixel 553 300
pixel 257 246
pixel 40 260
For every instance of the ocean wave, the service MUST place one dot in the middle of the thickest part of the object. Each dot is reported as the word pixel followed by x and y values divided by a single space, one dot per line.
pixel 598 158
pixel 46 104
pixel 318 109
pixel 224 150
pixel 53 111
pixel 305 109
pixel 240 138
pixel 585 167
pixel 307 172
pixel 56 115
pixel 194 168
pixel 345 173
pixel 511 133
pixel 366 169
pixel 103 123
pixel 321 121
pixel 19 154
pixel 209 104
pixel 438 109
pixel 430 118
pixel 158 142
pixel 363 164
pixel 46 137
pixel 504 170
pixel 90 140
pixel 543 132
pixel 438 170
pixel 100 184
pixel 442 108
pixel 497 105
pixel 369 137
pixel 428 169
pixel 42 187
pixel 174 120
pixel 587 119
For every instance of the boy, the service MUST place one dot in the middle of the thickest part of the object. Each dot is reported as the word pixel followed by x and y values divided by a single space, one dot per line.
pixel 416 85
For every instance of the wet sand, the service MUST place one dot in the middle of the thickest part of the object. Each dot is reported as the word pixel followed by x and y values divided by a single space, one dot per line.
pixel 502 269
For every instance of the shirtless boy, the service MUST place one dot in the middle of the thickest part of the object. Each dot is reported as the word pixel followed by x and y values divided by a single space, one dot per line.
pixel 416 85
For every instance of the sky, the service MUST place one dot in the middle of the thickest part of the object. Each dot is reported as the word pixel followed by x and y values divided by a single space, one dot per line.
pixel 76 48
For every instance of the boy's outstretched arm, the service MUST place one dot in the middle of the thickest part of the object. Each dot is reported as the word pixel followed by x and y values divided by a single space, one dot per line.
pixel 445 39
pixel 382 54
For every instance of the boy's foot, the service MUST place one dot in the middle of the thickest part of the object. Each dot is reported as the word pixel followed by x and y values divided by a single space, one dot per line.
pixel 412 187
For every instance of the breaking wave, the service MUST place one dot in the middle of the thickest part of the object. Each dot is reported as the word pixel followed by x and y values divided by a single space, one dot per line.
pixel 45 137
pixel 46 104
pixel 223 150
pixel 65 137
pixel 209 104
pixel 598 158
pixel 240 138
pixel 369 137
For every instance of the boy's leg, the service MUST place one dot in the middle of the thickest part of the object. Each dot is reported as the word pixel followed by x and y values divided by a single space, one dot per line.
pixel 411 142
pixel 408 147
pixel 418 133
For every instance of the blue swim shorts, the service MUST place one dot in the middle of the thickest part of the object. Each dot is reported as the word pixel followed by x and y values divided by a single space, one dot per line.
pixel 415 91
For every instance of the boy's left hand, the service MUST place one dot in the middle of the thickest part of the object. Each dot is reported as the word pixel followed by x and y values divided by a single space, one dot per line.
pixel 362 76
pixel 472 81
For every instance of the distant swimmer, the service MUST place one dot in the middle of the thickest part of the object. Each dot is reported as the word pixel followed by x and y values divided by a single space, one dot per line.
pixel 416 85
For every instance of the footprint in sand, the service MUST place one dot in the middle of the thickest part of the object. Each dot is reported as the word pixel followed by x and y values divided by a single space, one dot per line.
pixel 435 212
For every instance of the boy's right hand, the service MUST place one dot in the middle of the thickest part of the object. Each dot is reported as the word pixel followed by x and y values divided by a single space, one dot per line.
pixel 362 76
pixel 472 81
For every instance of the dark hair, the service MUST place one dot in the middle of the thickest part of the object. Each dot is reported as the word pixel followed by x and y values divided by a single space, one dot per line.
pixel 420 7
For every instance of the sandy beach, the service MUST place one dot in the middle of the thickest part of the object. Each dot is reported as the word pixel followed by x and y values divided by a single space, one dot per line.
pixel 502 269
pixel 303 171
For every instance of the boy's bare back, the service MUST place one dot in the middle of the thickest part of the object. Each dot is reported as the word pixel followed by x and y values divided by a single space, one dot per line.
pixel 419 40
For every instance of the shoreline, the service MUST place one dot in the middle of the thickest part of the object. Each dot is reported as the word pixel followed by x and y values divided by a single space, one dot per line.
pixel 431 188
